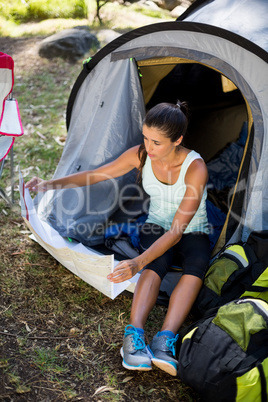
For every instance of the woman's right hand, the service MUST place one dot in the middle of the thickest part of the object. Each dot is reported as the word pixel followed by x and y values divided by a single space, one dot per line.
pixel 37 184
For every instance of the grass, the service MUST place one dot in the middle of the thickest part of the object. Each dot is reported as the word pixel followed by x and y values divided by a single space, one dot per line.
pixel 114 16
pixel 37 10
pixel 47 360
pixel 42 28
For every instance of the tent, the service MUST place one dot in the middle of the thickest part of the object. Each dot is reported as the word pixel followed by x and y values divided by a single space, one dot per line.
pixel 214 57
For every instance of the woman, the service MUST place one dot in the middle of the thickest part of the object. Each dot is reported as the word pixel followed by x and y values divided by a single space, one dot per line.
pixel 176 230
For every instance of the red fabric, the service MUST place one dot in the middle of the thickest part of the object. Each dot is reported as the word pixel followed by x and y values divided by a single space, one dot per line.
pixel 6 61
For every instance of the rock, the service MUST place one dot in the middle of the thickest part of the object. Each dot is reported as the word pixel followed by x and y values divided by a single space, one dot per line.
pixel 153 5
pixel 171 4
pixel 70 44
pixel 160 3
pixel 105 36
pixel 186 3
pixel 177 11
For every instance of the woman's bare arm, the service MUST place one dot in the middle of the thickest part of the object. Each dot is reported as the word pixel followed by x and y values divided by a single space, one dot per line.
pixel 122 165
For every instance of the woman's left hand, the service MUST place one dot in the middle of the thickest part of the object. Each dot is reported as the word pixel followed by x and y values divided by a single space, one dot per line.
pixel 124 270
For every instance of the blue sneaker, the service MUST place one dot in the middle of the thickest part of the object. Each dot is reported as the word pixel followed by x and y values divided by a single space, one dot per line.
pixel 163 351
pixel 134 351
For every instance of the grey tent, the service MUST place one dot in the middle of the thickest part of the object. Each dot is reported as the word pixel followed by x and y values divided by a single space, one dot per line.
pixel 214 57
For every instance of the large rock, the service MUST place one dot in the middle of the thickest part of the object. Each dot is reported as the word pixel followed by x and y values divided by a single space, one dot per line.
pixel 152 4
pixel 177 11
pixel 105 36
pixel 171 4
pixel 70 44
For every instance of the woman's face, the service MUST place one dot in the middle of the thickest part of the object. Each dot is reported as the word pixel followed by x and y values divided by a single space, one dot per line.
pixel 157 145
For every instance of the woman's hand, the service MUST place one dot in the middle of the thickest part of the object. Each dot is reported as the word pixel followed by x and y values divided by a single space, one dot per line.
pixel 37 184
pixel 124 270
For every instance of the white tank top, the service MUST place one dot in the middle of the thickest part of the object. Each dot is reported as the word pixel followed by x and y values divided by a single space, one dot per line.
pixel 165 199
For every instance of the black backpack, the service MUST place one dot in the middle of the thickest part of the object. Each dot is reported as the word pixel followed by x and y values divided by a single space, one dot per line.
pixel 240 270
pixel 224 357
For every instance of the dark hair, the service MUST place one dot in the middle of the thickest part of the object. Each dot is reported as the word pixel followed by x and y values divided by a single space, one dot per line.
pixel 171 119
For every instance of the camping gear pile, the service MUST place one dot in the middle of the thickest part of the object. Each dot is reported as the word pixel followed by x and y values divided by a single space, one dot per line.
pixel 215 58
pixel 224 355
pixel 239 270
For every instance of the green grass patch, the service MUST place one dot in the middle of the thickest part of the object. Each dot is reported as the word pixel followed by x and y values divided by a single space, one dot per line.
pixel 37 10
pixel 47 360
pixel 3 363
pixel 139 8
pixel 43 28
pixel 15 380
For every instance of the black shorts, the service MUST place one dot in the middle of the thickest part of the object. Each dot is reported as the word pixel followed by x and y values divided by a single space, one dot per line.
pixel 191 253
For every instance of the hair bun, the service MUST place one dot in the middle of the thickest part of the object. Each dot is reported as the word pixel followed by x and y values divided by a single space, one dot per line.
pixel 183 107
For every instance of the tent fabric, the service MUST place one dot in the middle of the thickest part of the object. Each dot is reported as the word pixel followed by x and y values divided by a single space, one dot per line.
pixel 247 18
pixel 116 125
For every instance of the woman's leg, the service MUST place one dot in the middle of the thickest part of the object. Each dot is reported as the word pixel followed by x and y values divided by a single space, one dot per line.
pixel 193 252
pixel 144 298
pixel 181 302
pixel 134 351
pixel 147 288
pixel 163 345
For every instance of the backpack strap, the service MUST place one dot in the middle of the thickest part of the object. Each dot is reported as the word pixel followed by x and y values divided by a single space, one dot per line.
pixel 228 364
pixel 230 289
pixel 202 324
pixel 252 359
pixel 257 288
pixel 263 383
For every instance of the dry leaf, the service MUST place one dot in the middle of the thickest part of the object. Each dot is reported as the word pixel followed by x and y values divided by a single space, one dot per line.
pixel 27 327
pixel 40 135
pixel 18 252
pixel 60 140
pixel 127 379
pixel 74 331
pixel 102 389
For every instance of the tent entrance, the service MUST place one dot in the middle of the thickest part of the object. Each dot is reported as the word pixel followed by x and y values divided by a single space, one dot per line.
pixel 219 121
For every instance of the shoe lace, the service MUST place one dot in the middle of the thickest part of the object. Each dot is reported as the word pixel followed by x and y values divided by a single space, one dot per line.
pixel 139 343
pixel 171 344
